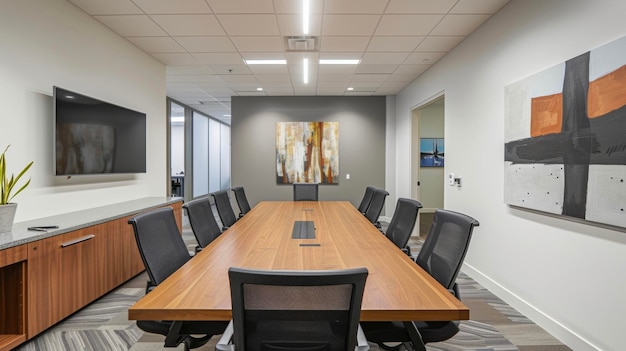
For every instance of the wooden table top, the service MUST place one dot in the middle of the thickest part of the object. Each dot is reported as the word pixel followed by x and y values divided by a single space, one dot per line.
pixel 396 287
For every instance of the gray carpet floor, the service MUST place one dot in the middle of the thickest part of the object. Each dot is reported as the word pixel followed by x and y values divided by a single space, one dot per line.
pixel 103 325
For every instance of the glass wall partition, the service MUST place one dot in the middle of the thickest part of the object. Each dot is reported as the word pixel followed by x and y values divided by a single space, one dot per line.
pixel 205 158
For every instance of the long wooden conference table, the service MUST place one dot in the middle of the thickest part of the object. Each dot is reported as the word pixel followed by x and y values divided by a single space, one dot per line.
pixel 272 236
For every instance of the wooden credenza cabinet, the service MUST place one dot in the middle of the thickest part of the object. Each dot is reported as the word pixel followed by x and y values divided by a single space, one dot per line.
pixel 46 280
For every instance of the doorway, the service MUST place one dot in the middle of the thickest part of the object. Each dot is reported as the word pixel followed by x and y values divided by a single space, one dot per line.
pixel 427 167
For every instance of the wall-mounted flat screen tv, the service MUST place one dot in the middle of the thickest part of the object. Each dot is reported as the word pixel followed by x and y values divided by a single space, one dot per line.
pixel 96 137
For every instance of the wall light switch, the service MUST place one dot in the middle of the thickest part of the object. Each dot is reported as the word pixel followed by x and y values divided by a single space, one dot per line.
pixel 347 175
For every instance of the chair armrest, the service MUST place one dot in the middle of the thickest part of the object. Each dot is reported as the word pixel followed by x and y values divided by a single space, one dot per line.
pixel 361 341
pixel 225 341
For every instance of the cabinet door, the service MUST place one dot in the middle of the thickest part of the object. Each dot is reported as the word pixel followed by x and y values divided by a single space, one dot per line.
pixel 62 277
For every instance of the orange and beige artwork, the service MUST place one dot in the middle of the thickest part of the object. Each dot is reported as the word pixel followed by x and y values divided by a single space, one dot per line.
pixel 307 152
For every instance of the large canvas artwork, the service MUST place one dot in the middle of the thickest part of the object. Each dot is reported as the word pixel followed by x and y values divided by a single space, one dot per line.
pixel 307 152
pixel 565 138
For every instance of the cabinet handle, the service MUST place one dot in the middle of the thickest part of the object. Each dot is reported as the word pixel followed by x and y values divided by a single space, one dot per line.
pixel 76 241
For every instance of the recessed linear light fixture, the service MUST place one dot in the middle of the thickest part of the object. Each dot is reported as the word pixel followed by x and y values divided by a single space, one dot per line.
pixel 340 62
pixel 225 115
pixel 259 89
pixel 305 16
pixel 265 62
pixel 350 88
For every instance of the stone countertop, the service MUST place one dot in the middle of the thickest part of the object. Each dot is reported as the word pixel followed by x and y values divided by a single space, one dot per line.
pixel 71 221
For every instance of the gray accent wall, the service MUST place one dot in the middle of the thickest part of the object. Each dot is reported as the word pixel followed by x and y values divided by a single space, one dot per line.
pixel 361 142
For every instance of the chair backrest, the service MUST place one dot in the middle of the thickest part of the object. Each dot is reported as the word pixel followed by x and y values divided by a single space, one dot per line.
pixel 224 209
pixel 367 199
pixel 445 246
pixel 242 200
pixel 305 191
pixel 160 244
pixel 202 221
pixel 403 221
pixel 296 310
pixel 376 206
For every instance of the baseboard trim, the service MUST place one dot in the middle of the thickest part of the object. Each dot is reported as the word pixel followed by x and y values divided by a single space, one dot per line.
pixel 549 324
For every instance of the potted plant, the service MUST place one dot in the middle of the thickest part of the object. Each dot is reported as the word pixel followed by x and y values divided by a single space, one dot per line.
pixel 7 193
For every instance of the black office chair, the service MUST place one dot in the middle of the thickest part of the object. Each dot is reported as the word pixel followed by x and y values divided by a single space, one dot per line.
pixel 305 191
pixel 202 221
pixel 295 310
pixel 402 223
pixel 242 200
pixel 163 251
pixel 224 209
pixel 376 206
pixel 441 256
pixel 367 199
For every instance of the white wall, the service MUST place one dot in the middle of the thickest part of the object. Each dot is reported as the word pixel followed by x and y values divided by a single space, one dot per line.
pixel 51 42
pixel 565 275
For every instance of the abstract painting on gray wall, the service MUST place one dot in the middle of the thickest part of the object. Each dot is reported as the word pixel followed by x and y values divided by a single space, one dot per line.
pixel 565 138
pixel 307 152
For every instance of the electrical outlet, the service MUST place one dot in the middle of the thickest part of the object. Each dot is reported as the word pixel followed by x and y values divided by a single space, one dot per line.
pixel 451 179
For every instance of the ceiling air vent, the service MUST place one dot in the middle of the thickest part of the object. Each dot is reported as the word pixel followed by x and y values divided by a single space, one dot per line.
pixel 301 44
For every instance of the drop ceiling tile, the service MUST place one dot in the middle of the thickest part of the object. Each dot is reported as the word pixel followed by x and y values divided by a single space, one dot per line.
pixel 359 93
pixel 291 25
pixel 459 24
pixel 173 7
pixel 132 25
pixel 268 69
pixel 189 25
pixel 343 44
pixel 110 7
pixel 342 25
pixel 330 91
pixel 340 56
pixel 201 78
pixel 241 6
pixel 440 43
pixel 271 78
pixel 380 58
pixel 176 59
pixel 259 44
pixel 343 78
pixel 237 68
pixel 420 58
pixel 242 25
pixel 407 24
pixel 420 6
pixel 238 78
pixel 206 44
pixel 409 69
pixel 398 44
pixel 378 78
pixel 354 6
pixel 218 58
pixel 340 85
pixel 250 93
pixel 337 69
pixel 376 69
pixel 479 6
pixel 156 44
pixel 404 77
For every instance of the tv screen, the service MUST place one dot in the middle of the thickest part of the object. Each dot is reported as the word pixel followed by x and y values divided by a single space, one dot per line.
pixel 97 137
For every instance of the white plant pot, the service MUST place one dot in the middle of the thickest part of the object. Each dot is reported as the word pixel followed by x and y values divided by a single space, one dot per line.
pixel 7 215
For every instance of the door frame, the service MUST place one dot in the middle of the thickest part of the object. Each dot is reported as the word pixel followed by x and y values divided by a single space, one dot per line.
pixel 415 151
